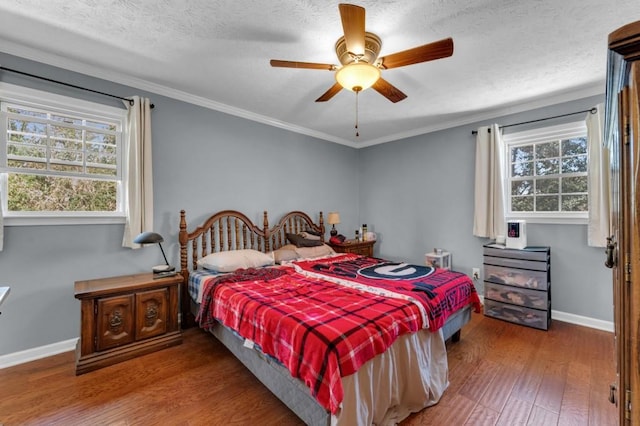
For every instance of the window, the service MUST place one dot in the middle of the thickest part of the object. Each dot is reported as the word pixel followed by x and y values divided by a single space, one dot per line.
pixel 546 174
pixel 59 158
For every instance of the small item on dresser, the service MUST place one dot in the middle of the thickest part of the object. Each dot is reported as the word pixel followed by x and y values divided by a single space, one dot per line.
pixel 364 232
pixel 337 239
pixel 516 234
pixel 438 258
pixel 357 235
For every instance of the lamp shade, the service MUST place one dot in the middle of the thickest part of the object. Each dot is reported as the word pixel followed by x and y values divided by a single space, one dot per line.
pixel 357 76
pixel 148 238
pixel 334 218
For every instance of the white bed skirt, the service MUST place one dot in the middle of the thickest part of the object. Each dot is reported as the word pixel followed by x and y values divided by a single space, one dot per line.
pixel 408 377
pixel 411 375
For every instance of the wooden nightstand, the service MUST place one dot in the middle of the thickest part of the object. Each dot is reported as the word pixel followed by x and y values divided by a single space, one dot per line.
pixel 355 246
pixel 124 317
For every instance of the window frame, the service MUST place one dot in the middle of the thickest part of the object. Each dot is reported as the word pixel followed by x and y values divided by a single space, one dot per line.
pixel 29 97
pixel 541 135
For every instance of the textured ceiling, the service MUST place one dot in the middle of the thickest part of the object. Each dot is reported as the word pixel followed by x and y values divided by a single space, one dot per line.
pixel 509 56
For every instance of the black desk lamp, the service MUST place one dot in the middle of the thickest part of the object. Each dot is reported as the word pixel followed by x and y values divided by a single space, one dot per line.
pixel 153 238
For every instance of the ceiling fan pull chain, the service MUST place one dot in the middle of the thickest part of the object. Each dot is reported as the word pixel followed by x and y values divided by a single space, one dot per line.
pixel 357 133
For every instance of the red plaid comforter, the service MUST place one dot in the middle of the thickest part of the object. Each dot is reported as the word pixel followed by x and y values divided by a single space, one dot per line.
pixel 320 330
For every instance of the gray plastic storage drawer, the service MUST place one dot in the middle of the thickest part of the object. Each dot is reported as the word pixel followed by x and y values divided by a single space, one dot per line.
pixel 516 263
pixel 540 254
pixel 517 277
pixel 516 295
pixel 517 314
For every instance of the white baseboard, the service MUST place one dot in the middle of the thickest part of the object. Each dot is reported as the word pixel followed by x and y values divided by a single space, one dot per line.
pixel 33 354
pixel 584 321
pixel 69 345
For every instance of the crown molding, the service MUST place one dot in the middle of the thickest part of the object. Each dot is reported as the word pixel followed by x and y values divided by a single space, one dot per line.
pixel 586 91
pixel 137 83
pixel 127 80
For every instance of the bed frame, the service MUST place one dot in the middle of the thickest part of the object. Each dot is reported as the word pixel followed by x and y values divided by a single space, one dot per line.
pixel 232 230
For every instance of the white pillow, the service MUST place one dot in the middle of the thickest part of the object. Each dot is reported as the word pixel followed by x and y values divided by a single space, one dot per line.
pixel 311 252
pixel 285 254
pixel 229 261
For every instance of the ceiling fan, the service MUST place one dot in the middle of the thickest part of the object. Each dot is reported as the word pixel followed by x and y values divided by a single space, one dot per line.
pixel 360 66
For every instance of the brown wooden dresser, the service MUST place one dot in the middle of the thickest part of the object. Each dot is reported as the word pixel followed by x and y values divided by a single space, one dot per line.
pixel 124 317
pixel 364 248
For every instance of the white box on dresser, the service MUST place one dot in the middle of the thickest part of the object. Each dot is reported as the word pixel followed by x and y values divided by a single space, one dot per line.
pixel 517 285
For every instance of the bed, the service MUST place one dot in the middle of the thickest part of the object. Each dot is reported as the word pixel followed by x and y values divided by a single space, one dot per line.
pixel 402 371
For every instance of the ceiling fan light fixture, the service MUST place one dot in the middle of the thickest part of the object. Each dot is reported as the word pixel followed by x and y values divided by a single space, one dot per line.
pixel 357 76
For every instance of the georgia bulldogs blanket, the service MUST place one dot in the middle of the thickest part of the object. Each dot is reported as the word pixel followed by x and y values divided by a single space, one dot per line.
pixel 441 292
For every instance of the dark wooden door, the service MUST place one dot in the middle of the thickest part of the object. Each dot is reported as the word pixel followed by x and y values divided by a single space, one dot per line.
pixel 624 250
pixel 625 163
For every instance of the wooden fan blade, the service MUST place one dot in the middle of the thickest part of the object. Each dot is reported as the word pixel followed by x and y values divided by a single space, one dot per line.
pixel 353 25
pixel 428 52
pixel 309 65
pixel 330 93
pixel 388 90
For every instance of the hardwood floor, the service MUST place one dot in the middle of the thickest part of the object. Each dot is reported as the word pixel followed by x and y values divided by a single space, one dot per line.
pixel 500 374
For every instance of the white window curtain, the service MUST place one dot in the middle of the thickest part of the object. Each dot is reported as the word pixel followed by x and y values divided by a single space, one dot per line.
pixel 489 214
pixel 139 188
pixel 598 184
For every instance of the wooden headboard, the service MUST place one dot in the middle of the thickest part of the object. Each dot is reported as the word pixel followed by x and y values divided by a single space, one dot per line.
pixel 232 230
pixel 293 223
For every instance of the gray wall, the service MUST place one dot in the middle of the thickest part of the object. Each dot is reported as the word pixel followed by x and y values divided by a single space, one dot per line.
pixel 417 193
pixel 204 161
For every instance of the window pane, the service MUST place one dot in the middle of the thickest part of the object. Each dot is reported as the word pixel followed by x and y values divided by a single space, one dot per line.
pixel 66 143
pixel 26 138
pixel 65 132
pixel 522 204
pixel 102 138
pixel 101 159
pixel 547 203
pixel 574 164
pixel 574 146
pixel 574 184
pixel 27 164
pixel 99 149
pixel 101 126
pixel 48 193
pixel 16 150
pixel 66 119
pixel 104 171
pixel 18 110
pixel 547 186
pixel 575 203
pixel 547 167
pixel 522 169
pixel 27 126
pixel 522 153
pixel 65 155
pixel 64 167
pixel 547 150
pixel 522 187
